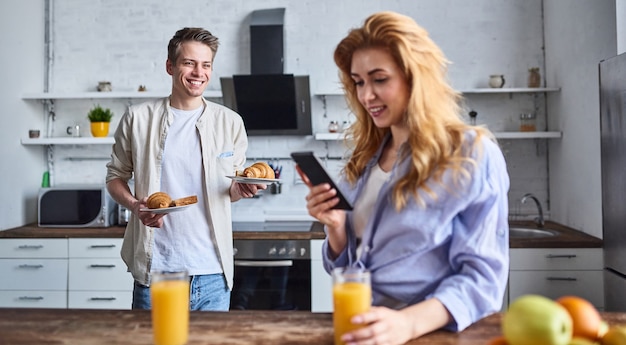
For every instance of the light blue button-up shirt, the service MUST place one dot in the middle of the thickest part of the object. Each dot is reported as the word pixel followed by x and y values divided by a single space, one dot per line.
pixel 455 248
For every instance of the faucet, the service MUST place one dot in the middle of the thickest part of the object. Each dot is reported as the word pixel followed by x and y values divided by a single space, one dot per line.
pixel 539 220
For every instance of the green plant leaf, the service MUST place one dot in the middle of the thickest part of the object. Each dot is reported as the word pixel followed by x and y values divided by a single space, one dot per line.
pixel 99 114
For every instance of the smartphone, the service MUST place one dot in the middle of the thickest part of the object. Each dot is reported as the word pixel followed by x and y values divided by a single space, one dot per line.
pixel 316 173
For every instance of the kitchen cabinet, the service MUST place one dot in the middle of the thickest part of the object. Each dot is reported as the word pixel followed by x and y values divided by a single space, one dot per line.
pixel 64 273
pixel 466 92
pixel 321 282
pixel 555 272
pixel 98 278
pixel 34 273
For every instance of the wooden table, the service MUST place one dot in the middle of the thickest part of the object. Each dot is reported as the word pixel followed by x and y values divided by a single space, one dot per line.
pixel 133 327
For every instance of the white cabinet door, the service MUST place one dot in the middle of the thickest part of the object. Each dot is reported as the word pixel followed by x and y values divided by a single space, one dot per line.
pixel 11 248
pixel 554 284
pixel 33 274
pixel 321 283
pixel 556 272
pixel 33 299
pixel 100 299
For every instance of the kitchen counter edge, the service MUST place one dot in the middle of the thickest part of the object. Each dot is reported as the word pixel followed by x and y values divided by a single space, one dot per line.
pixel 568 237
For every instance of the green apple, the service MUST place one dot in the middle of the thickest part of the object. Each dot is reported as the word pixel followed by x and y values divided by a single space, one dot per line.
pixel 537 320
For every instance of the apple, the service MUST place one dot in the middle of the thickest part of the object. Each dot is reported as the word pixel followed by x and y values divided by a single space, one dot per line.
pixel 537 320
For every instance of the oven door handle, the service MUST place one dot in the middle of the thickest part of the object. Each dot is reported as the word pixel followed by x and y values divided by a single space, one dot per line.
pixel 263 263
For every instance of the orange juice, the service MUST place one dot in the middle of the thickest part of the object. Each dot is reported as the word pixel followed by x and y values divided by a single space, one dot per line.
pixel 170 311
pixel 349 299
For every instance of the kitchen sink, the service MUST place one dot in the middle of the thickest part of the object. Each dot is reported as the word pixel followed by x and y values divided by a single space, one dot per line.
pixel 520 232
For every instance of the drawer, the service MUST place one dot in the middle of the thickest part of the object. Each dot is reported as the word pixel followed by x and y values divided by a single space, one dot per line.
pixel 554 284
pixel 100 299
pixel 33 248
pixel 95 247
pixel 99 274
pixel 556 259
pixel 29 274
pixel 33 299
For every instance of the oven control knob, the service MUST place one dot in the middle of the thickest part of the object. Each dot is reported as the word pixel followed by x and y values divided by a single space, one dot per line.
pixel 235 251
pixel 282 251
pixel 292 252
pixel 272 251
pixel 302 251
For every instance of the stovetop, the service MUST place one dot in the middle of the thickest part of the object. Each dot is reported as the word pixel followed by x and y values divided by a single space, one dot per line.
pixel 281 226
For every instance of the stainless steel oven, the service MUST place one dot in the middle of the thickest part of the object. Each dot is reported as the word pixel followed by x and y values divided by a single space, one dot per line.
pixel 272 274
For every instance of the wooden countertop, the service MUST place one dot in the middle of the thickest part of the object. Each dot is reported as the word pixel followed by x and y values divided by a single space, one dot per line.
pixel 34 231
pixel 567 238
pixel 133 327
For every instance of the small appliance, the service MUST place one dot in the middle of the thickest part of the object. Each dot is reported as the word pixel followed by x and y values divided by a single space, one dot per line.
pixel 76 206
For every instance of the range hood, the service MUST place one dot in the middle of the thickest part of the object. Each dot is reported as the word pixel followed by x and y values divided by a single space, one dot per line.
pixel 269 101
pixel 266 41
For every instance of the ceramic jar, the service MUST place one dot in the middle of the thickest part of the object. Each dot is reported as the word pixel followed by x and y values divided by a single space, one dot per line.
pixel 534 77
pixel 105 86
pixel 496 81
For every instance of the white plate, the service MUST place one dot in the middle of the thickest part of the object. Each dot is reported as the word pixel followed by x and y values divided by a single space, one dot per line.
pixel 252 180
pixel 166 209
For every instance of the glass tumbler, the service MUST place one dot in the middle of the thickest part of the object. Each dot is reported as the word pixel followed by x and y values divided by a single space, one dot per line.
pixel 352 295
pixel 169 293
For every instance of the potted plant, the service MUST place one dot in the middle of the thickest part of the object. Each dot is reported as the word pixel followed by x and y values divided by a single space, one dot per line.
pixel 100 119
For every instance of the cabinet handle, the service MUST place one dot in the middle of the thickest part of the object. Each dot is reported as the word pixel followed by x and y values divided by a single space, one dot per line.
pixel 26 266
pixel 102 299
pixel 102 246
pixel 30 246
pixel 101 266
pixel 569 279
pixel 30 298
pixel 566 256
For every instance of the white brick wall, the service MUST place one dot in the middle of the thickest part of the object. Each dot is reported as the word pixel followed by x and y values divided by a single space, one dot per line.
pixel 125 43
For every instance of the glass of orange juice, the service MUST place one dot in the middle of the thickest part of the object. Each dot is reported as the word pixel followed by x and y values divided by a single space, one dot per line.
pixel 169 293
pixel 352 295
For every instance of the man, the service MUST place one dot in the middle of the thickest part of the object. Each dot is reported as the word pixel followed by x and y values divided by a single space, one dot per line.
pixel 182 145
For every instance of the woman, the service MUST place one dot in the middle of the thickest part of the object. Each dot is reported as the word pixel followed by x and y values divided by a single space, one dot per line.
pixel 430 192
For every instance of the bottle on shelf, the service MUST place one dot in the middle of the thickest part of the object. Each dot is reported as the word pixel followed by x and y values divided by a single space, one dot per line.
pixel 527 122
pixel 333 127
pixel 534 77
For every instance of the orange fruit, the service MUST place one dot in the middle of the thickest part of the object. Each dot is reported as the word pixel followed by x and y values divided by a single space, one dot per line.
pixel 586 318
pixel 499 340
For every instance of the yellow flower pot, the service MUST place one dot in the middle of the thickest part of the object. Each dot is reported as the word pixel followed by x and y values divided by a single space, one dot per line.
pixel 100 129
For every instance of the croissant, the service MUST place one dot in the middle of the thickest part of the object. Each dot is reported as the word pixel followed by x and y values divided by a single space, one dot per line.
pixel 259 170
pixel 159 200
pixel 188 200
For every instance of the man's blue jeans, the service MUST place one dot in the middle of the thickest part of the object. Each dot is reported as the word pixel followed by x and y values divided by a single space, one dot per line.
pixel 207 292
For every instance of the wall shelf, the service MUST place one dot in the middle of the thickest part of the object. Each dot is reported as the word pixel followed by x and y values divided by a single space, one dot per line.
pixel 109 95
pixel 499 135
pixel 69 141
pixel 474 91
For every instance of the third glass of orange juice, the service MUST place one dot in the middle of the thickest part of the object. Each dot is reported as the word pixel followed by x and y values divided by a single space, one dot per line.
pixel 169 293
pixel 352 295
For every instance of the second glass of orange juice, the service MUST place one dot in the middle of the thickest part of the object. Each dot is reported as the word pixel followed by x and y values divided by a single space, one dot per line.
pixel 169 293
pixel 352 295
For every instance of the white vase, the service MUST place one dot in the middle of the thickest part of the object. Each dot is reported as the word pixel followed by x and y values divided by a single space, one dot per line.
pixel 496 81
